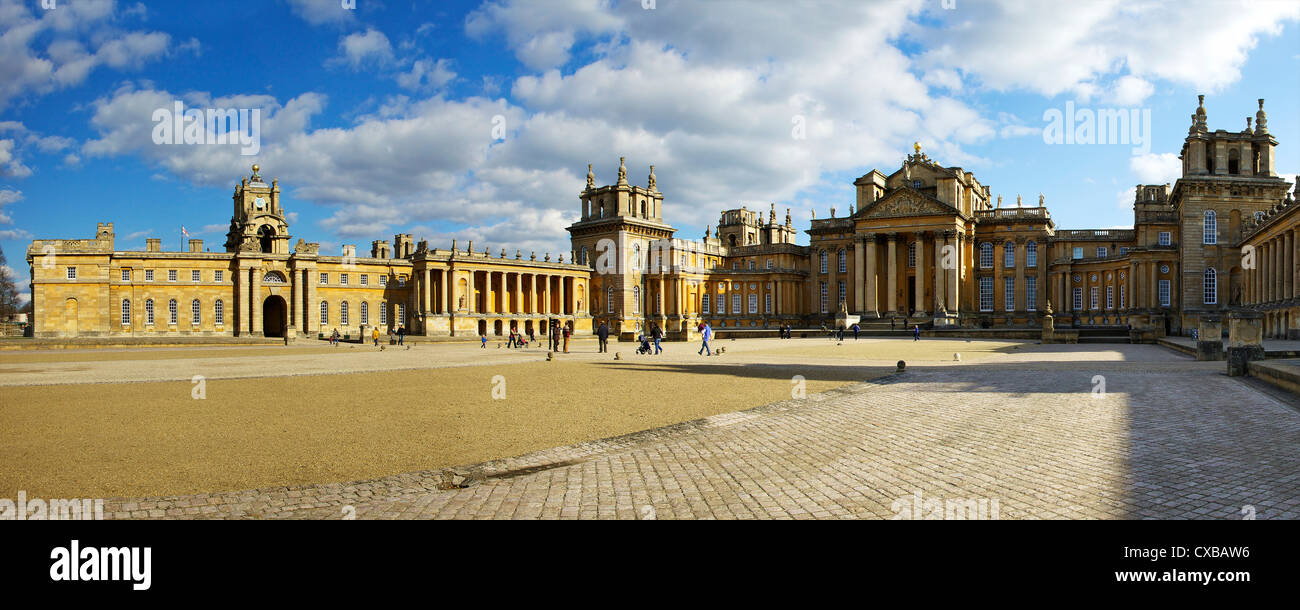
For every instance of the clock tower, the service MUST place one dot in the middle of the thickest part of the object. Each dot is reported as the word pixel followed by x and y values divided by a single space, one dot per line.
pixel 258 224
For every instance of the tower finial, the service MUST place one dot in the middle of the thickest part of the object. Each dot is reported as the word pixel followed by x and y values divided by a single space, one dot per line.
pixel 1261 119
pixel 651 184
pixel 622 171
pixel 591 177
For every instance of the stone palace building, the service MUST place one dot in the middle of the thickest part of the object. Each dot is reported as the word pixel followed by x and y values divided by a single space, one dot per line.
pixel 925 244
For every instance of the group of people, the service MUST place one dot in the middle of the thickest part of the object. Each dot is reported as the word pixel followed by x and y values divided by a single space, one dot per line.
pixel 558 338
pixel 656 335
pixel 395 336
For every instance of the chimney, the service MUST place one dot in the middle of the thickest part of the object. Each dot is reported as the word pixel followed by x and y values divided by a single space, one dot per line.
pixel 153 244
pixel 196 245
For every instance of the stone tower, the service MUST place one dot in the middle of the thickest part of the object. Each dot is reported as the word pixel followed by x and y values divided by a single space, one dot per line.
pixel 258 223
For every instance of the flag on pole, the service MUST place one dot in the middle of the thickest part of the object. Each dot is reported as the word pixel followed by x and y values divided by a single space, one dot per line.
pixel 184 232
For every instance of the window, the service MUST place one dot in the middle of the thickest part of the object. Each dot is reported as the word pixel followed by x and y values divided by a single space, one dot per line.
pixel 844 262
pixel 1211 229
pixel 704 303
pixel 1210 287
pixel 401 314
pixel 735 302
pixel 1077 298
pixel 383 280
pixel 751 265
pixel 1031 254
pixel 1008 294
pixel 1110 297
pixel 343 279
pixel 126 275
pixel 767 303
pixel 148 275
pixel 195 313
pixel 1078 253
pixel 365 313
pixel 609 300
pixel 1102 251
pixel 1008 255
pixel 401 282
pixel 1031 293
pixel 823 294
pixel 1164 238
pixel 324 279
pixel 986 290
pixel 324 312
pixel 986 255
pixel 72 273
pixel 1123 302
pixel 383 314
pixel 343 313
pixel 1092 297
pixel 126 312
pixel 219 312
pixel 148 312
pixel 365 280
pixel 753 303
pixel 171 275
pixel 823 262
pixel 636 256
pixel 194 276
pixel 911 254
pixel 769 263
pixel 735 265
pixel 1162 288
pixel 636 299
pixel 172 312
pixel 218 276
pixel 840 296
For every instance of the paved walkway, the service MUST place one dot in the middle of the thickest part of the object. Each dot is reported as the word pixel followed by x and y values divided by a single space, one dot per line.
pixel 1166 440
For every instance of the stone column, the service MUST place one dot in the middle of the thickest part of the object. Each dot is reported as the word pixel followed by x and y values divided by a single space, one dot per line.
pixel 777 309
pixel 242 308
pixel 859 276
pixel 940 274
pixel 564 297
pixel 471 306
pixel 1288 266
pixel 919 303
pixel 954 239
pixel 871 305
pixel 312 310
pixel 295 306
pixel 1155 285
pixel 892 297
pixel 449 290
pixel 517 303
pixel 256 299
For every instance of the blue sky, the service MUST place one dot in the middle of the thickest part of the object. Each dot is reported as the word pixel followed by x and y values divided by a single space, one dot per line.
pixel 379 119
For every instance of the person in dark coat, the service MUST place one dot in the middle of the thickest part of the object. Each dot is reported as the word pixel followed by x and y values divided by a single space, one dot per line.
pixel 603 334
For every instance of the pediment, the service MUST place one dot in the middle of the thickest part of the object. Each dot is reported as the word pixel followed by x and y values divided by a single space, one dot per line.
pixel 907 202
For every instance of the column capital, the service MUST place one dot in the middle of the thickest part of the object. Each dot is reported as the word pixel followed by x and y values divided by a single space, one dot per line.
pixel 891 236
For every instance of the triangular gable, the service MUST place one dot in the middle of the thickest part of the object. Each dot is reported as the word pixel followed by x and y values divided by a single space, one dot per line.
pixel 906 202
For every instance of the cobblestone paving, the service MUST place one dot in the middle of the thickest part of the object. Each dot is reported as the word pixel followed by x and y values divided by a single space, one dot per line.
pixel 1176 440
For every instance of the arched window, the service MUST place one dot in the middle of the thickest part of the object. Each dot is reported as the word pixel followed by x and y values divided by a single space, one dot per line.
pixel 343 313
pixel 986 255
pixel 365 313
pixel 126 312
pixel 1211 228
pixel 636 256
pixel 171 312
pixel 195 313
pixel 1009 255
pixel 844 262
pixel 219 312
pixel 609 300
pixel 1210 286
pixel 324 312
pixel 1031 254
pixel 636 299
pixel 824 267
pixel 148 312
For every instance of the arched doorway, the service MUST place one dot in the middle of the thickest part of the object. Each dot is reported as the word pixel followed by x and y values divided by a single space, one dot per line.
pixel 70 318
pixel 275 316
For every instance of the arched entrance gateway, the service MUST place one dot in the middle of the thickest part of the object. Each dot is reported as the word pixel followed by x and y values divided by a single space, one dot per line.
pixel 275 316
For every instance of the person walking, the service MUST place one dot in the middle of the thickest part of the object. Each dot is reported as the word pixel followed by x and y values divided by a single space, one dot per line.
pixel 855 332
pixel 511 341
pixel 603 334
pixel 566 339
pixel 483 340
pixel 916 332
pixel 391 340
pixel 401 332
pixel 375 333
pixel 705 336
pixel 657 333
pixel 532 338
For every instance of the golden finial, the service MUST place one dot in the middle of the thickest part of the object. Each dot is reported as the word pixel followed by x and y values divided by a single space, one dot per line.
pixel 917 147
pixel 255 168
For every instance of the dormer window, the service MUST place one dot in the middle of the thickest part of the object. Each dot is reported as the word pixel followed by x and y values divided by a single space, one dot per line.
pixel 916 184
